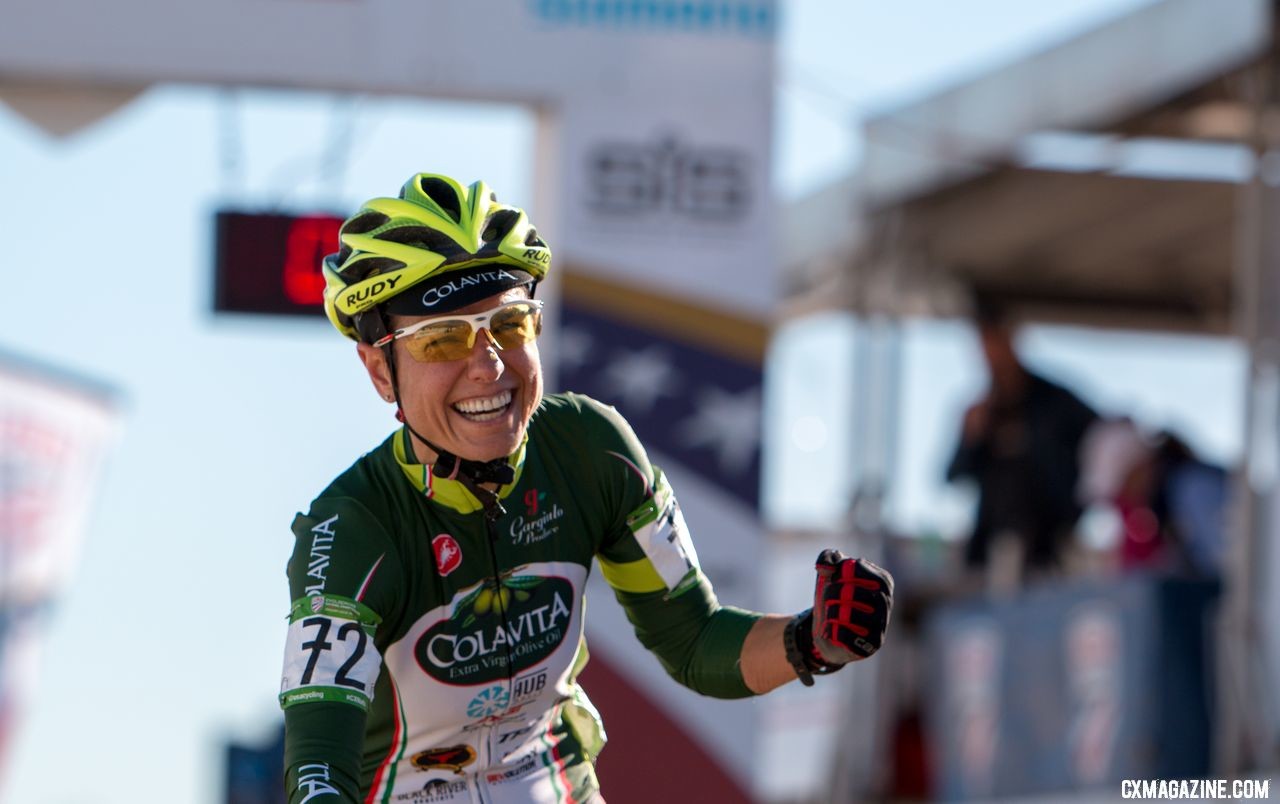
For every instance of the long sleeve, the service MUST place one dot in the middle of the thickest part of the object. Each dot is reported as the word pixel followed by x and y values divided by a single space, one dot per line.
pixel 649 559
pixel 340 582
pixel 322 753
pixel 698 641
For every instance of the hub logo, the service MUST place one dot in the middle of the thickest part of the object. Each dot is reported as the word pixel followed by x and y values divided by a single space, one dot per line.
pixel 521 619
pixel 448 553
pixel 529 686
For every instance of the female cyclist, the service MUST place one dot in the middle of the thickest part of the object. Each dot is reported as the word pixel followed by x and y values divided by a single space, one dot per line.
pixel 433 649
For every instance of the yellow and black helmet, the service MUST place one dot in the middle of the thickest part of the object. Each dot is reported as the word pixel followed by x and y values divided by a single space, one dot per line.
pixel 452 244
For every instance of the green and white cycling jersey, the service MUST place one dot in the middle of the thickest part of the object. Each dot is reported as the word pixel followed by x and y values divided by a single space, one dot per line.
pixel 433 652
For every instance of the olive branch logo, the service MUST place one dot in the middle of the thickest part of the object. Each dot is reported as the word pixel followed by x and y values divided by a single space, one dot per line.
pixel 493 597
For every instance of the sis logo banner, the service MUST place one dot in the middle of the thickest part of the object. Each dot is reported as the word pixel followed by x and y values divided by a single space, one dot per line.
pixel 740 18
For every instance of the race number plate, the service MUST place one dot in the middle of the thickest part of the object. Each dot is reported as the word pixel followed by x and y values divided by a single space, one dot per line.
pixel 329 654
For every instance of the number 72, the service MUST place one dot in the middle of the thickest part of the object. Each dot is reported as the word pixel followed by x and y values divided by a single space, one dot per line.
pixel 319 644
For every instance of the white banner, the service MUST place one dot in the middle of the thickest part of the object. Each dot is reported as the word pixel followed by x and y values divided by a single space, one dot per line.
pixel 54 432
pixel 674 197
pixel 53 435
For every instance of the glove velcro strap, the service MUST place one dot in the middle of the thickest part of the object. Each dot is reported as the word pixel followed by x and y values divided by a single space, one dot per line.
pixel 797 640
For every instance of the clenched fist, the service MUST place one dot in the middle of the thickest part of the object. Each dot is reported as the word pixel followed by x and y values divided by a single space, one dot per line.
pixel 852 601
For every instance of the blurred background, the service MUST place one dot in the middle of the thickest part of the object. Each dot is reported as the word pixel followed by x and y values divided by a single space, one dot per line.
pixel 984 291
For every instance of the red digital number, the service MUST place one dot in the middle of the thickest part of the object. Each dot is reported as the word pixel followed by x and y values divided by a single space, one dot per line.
pixel 309 240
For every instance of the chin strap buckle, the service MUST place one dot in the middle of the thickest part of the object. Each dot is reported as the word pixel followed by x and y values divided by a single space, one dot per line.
pixel 451 467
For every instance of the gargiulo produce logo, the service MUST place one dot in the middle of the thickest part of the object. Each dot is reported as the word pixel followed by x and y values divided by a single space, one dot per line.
pixel 520 619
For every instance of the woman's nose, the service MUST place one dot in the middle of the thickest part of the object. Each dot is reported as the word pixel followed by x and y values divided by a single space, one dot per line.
pixel 485 362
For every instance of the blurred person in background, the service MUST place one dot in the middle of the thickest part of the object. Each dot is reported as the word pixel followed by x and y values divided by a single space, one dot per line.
pixel 1020 444
pixel 1171 504
pixel 436 628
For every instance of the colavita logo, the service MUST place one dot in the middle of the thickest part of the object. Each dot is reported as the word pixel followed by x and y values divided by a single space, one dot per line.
pixel 439 293
pixel 524 617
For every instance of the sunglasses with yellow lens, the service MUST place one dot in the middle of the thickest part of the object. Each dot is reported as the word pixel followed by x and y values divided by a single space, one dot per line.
pixel 452 337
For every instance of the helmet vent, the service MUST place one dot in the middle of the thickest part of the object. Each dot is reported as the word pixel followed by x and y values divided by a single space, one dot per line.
pixel 372 266
pixel 421 237
pixel 499 224
pixel 364 223
pixel 443 194
pixel 532 238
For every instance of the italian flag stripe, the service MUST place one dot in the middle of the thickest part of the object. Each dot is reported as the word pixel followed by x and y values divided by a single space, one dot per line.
pixel 394 754
pixel 364 585
pixel 559 779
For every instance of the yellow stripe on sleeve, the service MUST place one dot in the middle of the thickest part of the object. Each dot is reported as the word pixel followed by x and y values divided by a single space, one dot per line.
pixel 632 576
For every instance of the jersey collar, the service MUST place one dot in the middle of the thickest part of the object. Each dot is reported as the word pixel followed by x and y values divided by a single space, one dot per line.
pixel 444 491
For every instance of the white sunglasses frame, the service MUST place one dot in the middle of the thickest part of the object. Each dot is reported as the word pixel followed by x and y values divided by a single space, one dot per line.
pixel 478 322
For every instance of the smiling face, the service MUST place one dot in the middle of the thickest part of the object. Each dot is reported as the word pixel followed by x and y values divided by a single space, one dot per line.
pixel 476 407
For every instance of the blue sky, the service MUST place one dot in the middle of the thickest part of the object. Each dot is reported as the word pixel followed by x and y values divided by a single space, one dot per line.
pixel 167 641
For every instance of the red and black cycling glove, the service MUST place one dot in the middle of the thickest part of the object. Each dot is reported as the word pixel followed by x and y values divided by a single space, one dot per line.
pixel 852 600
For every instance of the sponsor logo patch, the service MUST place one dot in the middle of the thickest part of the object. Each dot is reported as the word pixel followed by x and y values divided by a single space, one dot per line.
pixel 532 501
pixel 538 524
pixel 317 603
pixel 517 733
pixel 437 791
pixel 528 686
pixel 364 292
pixel 322 538
pixel 448 553
pixel 527 764
pixel 439 293
pixel 489 702
pixel 314 781
pixel 454 758
pixel 523 620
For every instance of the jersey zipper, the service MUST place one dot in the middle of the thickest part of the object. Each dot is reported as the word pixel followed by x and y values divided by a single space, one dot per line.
pixel 493 511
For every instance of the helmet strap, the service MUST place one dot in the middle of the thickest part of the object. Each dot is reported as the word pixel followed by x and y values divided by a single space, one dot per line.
pixel 470 473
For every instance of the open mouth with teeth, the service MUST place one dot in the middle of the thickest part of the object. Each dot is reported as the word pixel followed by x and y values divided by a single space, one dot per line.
pixel 483 409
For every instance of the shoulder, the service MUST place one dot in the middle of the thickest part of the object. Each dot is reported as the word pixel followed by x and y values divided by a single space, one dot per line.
pixel 570 404
pixel 346 542
pixel 363 492
pixel 578 414
pixel 576 430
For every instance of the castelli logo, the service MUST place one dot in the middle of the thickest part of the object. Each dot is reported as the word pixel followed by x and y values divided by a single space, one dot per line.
pixel 448 553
